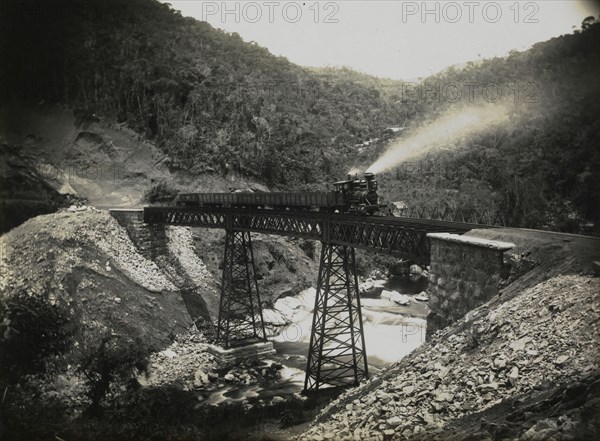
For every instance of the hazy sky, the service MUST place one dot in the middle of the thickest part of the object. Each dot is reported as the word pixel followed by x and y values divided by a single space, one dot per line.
pixel 396 39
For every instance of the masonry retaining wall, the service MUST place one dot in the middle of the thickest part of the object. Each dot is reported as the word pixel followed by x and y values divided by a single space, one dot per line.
pixel 465 272
pixel 150 240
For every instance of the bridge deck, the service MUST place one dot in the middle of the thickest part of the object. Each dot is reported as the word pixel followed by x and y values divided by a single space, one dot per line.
pixel 404 237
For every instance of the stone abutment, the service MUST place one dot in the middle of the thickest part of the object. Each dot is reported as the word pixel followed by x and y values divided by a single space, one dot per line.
pixel 465 272
pixel 150 240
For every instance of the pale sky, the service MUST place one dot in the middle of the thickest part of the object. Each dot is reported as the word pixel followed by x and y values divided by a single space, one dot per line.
pixel 395 39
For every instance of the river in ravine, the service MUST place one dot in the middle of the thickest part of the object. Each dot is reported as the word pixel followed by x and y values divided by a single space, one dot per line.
pixel 391 332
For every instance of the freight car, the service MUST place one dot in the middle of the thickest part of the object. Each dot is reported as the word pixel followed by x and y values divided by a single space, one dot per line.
pixel 353 195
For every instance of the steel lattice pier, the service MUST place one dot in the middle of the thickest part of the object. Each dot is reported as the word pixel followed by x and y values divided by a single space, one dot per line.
pixel 240 311
pixel 337 355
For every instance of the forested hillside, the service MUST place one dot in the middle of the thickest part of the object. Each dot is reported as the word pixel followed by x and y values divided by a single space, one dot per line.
pixel 210 100
pixel 216 104
pixel 542 167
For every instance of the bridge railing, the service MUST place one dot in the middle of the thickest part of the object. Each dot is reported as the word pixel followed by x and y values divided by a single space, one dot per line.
pixel 402 237
pixel 470 216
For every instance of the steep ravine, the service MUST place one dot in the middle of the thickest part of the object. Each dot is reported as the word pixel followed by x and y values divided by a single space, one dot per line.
pixel 519 361
pixel 522 366
pixel 76 284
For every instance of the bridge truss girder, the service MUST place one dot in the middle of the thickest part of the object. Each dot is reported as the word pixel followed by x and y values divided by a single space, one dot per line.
pixel 406 242
pixel 404 238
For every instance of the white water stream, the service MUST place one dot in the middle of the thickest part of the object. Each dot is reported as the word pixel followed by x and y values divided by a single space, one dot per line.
pixel 391 332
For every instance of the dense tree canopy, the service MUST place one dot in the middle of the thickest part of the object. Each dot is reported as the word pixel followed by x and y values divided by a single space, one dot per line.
pixel 216 104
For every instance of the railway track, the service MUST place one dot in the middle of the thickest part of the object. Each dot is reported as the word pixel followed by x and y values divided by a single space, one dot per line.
pixel 392 221
pixel 431 225
pixel 403 237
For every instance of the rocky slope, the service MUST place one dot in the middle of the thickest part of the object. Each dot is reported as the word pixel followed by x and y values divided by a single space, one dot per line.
pixel 81 312
pixel 85 315
pixel 83 264
pixel 52 156
pixel 284 266
pixel 503 368
pixel 540 341
pixel 24 191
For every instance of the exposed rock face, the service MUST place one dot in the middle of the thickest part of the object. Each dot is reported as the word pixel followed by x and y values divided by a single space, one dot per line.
pixel 24 192
pixel 287 310
pixel 532 344
pixel 282 268
pixel 172 249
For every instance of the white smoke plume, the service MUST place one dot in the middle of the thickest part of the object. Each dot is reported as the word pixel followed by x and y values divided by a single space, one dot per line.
pixel 446 129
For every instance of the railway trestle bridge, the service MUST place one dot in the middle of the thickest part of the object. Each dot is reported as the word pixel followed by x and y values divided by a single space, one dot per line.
pixel 337 354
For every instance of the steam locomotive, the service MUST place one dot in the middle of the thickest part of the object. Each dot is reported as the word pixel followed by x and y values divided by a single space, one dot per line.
pixel 354 195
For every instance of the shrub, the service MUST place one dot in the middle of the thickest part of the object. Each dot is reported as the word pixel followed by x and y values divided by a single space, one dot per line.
pixel 109 358
pixel 31 330
pixel 34 331
pixel 309 247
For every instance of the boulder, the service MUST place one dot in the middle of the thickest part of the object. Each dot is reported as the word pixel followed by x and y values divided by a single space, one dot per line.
pixel 201 378
pixel 385 294
pixel 416 270
pixel 383 397
pixel 400 299
pixel 395 296
pixel 394 421
pixel 499 363
pixel 408 390
pixel 168 353
pixel 422 297
pixel 371 287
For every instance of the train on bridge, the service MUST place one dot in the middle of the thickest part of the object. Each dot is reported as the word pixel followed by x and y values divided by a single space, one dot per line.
pixel 354 195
